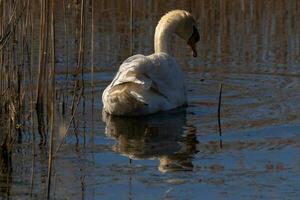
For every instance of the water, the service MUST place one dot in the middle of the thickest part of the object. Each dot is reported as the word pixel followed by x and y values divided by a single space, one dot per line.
pixel 251 47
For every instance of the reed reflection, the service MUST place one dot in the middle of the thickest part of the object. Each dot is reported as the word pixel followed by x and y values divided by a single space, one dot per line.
pixel 5 174
pixel 160 136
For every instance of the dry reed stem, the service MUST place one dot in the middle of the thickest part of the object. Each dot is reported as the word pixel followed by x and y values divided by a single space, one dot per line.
pixel 12 30
pixel 79 67
pixel 92 63
pixel 11 26
pixel 52 99
pixel 66 41
pixel 81 43
pixel 131 27
pixel 92 50
pixel 80 57
pixel 41 72
pixel 30 70
pixel 219 108
pixel 219 114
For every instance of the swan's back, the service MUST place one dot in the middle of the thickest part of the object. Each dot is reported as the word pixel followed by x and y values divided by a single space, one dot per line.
pixel 144 85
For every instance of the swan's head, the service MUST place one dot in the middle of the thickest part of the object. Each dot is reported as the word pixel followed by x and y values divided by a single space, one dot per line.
pixel 179 22
pixel 186 29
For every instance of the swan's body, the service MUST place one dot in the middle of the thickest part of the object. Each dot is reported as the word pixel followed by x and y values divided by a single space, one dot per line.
pixel 144 85
pixel 148 84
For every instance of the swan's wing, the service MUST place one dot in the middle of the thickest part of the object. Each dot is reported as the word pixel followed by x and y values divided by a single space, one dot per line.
pixel 132 71
pixel 158 72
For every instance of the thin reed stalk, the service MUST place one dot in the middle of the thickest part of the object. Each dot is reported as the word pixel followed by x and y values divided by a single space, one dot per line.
pixel 52 97
pixel 66 40
pixel 131 27
pixel 81 43
pixel 92 65
pixel 2 87
pixel 80 58
pixel 30 72
pixel 41 71
pixel 31 69
pixel 219 114
pixel 219 109
pixel 92 50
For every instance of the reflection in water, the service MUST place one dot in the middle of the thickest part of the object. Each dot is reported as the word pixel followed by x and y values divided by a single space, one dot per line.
pixel 5 158
pixel 160 136
pixel 6 180
pixel 5 176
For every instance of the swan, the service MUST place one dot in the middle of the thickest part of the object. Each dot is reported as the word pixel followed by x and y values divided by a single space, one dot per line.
pixel 148 84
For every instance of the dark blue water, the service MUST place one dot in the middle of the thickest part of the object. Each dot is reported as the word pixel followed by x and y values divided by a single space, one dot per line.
pixel 177 154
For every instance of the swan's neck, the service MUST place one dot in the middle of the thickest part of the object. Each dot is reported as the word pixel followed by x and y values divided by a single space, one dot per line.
pixel 162 37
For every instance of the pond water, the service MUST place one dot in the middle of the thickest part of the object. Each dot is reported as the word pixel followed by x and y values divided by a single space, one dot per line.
pixel 179 154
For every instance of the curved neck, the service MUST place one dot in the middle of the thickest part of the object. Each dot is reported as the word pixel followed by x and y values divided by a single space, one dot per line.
pixel 162 37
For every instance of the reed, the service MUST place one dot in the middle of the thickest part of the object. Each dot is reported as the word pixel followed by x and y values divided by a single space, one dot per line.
pixel 52 98
pixel 92 48
pixel 219 114
pixel 79 84
pixel 12 72
pixel 131 27
pixel 2 87
pixel 219 108
pixel 92 63
pixel 41 70
pixel 30 71
pixel 66 48
pixel 81 43
pixel 31 68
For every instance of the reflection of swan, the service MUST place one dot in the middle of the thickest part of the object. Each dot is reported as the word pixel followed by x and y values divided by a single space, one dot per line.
pixel 160 136
pixel 148 84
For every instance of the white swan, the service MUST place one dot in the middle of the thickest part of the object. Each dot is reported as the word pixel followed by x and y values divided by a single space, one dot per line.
pixel 148 84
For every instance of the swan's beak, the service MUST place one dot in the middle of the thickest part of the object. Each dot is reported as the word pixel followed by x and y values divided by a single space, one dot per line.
pixel 193 40
pixel 193 48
